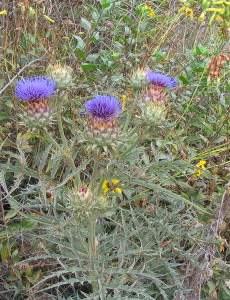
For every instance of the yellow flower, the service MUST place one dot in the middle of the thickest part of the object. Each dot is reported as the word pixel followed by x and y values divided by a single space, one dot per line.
pixel 3 12
pixel 202 17
pixel 201 164
pixel 111 186
pixel 147 10
pixel 198 173
pixel 151 14
pixel 187 11
pixel 105 186
pixel 123 101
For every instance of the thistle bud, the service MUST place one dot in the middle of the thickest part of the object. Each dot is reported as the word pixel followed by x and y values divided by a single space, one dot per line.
pixel 63 75
pixel 139 79
pixel 153 107
pixel 84 194
pixel 155 94
pixel 153 112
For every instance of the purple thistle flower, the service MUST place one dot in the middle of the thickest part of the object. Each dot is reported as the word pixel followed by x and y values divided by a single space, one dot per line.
pixel 103 107
pixel 161 79
pixel 35 88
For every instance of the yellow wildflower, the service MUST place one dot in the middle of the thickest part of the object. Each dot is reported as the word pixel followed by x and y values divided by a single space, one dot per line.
pixel 187 11
pixel 123 101
pixel 151 13
pixel 3 12
pixel 201 164
pixel 200 167
pixel 198 173
pixel 147 10
pixel 111 186
pixel 202 17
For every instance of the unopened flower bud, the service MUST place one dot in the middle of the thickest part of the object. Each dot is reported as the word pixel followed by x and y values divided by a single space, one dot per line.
pixel 63 75
pixel 84 193
pixel 153 112
pixel 139 79
pixel 155 94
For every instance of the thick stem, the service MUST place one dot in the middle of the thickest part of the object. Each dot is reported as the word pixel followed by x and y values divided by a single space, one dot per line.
pixel 92 232
pixel 92 252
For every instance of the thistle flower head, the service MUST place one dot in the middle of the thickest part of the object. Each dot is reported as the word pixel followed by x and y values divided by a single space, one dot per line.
pixel 155 94
pixel 139 79
pixel 161 79
pixel 63 75
pixel 104 107
pixel 153 112
pixel 84 193
pixel 35 88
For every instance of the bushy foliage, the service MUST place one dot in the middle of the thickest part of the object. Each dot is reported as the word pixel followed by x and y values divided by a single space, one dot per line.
pixel 109 199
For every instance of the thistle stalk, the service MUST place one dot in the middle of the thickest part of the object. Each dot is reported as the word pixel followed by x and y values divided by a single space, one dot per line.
pixel 59 123
pixel 92 221
pixel 92 252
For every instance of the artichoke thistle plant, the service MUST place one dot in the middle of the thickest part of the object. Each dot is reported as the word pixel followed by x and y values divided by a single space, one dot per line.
pixel 114 150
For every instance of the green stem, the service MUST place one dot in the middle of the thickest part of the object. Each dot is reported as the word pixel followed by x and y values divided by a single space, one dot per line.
pixel 92 231
pixel 61 129
pixel 92 252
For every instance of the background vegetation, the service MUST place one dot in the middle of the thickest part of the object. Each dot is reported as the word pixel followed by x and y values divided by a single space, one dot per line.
pixel 170 219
